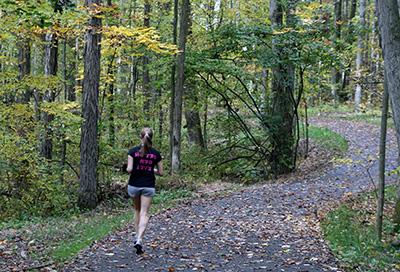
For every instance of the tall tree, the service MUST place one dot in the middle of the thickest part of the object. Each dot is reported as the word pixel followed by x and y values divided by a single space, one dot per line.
pixel 192 114
pixel 50 69
pixel 173 75
pixel 281 158
pixel 336 75
pixel 180 79
pixel 360 55
pixel 90 114
pixel 389 27
pixel 382 161
pixel 146 74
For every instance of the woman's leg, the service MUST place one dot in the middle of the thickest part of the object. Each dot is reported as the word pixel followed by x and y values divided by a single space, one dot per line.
pixel 136 206
pixel 145 202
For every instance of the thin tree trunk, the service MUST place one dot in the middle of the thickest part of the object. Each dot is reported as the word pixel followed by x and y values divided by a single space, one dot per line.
pixel 90 112
pixel 173 72
pixel 389 28
pixel 205 121
pixel 335 73
pixel 183 33
pixel 382 160
pixel 62 136
pixel 146 74
pixel 306 128
pixel 111 127
pixel 111 72
pixel 264 87
pixel 360 56
pixel 24 66
pixel 50 69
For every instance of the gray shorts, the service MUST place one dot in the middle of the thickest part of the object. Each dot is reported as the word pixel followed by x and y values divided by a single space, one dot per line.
pixel 138 191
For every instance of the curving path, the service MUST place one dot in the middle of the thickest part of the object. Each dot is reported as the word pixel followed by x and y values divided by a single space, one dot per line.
pixel 271 227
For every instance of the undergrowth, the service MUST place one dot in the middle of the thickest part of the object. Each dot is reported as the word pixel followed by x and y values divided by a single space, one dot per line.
pixel 350 232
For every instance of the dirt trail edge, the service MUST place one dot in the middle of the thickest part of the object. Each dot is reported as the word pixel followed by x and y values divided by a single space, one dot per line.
pixel 271 227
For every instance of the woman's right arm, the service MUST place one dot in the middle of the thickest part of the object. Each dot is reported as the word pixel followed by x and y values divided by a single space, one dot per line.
pixel 129 168
pixel 160 170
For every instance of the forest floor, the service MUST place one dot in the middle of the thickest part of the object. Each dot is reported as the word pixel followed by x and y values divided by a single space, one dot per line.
pixel 266 227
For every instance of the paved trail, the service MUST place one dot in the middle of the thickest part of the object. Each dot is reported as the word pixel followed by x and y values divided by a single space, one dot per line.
pixel 271 227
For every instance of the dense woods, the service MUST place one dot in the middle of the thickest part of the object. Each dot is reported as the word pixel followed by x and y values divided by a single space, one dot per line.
pixel 225 84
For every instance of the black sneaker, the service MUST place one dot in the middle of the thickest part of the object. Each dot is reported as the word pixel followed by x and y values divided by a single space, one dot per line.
pixel 139 248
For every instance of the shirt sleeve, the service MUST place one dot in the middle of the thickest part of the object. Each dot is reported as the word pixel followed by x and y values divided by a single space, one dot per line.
pixel 131 152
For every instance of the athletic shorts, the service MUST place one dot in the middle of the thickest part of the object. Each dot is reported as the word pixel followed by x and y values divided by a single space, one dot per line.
pixel 138 191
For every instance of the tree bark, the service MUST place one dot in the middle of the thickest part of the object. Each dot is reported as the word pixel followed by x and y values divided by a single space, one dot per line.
pixel 389 27
pixel 89 143
pixel 335 73
pixel 360 56
pixel 50 69
pixel 72 69
pixel 192 117
pixel 382 160
pixel 281 159
pixel 146 74
pixel 24 66
pixel 183 33
pixel 173 74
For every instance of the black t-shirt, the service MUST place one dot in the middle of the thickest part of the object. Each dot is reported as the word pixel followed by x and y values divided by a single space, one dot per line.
pixel 143 167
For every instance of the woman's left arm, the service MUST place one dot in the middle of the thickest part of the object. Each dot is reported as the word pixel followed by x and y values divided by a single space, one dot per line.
pixel 129 168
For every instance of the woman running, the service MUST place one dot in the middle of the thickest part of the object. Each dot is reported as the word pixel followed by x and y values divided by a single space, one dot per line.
pixel 141 187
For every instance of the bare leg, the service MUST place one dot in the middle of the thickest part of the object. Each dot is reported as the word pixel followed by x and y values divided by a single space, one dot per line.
pixel 145 203
pixel 136 206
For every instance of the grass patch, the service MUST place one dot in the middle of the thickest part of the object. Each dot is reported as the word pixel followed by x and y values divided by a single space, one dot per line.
pixel 59 239
pixel 346 112
pixel 328 139
pixel 350 232
pixel 330 108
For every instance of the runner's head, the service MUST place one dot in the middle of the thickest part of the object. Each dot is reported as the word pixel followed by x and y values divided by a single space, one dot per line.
pixel 146 136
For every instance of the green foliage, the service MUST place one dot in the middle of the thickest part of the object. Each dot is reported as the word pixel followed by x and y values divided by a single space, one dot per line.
pixel 28 183
pixel 351 235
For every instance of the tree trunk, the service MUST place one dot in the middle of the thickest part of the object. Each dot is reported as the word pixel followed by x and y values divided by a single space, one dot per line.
pixel 360 56
pixel 205 121
pixel 50 69
pixel 382 160
pixel 111 73
pixel 71 81
pixel 89 145
pixel 192 117
pixel 335 73
pixel 111 125
pixel 24 66
pixel 264 88
pixel 146 74
pixel 389 28
pixel 184 27
pixel 173 72
pixel 281 159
